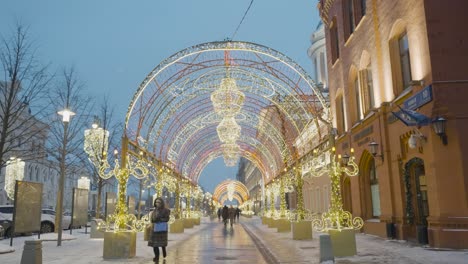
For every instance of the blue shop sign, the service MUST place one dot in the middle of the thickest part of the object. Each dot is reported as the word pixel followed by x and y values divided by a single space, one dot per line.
pixel 421 98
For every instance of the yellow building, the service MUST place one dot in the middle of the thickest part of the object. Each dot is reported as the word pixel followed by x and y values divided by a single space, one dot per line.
pixel 384 56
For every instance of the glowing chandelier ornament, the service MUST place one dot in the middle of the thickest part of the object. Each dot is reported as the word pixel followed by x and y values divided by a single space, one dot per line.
pixel 336 218
pixel 14 172
pixel 230 154
pixel 228 130
pixel 227 99
pixel 230 191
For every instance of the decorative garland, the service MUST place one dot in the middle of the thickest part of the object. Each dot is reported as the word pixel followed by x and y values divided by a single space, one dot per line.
pixel 409 194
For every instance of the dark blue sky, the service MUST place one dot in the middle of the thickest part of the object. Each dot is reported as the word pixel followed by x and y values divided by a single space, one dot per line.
pixel 114 44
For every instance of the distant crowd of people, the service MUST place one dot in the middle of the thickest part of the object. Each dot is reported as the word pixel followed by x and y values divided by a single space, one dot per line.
pixel 230 214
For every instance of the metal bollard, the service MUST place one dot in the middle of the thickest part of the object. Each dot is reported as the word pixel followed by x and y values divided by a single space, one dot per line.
pixel 326 249
pixel 32 253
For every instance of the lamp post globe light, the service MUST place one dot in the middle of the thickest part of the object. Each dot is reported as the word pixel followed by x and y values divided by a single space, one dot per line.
pixel 14 171
pixel 66 116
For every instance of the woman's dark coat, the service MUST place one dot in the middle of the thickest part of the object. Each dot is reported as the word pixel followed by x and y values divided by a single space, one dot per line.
pixel 159 239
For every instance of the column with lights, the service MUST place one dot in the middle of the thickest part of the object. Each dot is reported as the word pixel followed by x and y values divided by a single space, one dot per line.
pixel 340 224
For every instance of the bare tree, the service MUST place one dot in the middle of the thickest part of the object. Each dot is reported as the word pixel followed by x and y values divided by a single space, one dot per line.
pixel 23 84
pixel 65 144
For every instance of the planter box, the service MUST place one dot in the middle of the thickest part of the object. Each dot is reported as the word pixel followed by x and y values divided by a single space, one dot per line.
pixel 343 242
pixel 265 220
pixel 301 230
pixel 177 226
pixel 283 225
pixel 196 221
pixel 188 222
pixel 95 232
pixel 119 245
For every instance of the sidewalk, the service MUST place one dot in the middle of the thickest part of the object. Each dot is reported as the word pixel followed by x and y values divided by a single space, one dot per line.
pixel 281 248
pixel 80 249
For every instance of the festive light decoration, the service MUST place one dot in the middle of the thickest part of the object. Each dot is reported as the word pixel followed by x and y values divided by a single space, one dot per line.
pixel 238 191
pixel 336 218
pixel 95 145
pixel 228 130
pixel 230 191
pixel 227 99
pixel 84 183
pixel 14 172
pixel 187 81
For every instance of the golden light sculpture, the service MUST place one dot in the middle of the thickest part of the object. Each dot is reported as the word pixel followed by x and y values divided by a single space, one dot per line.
pixel 228 130
pixel 336 218
pixel 230 154
pixel 227 99
pixel 95 145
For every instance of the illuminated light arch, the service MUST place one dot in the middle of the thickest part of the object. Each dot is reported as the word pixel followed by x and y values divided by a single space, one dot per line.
pixel 240 191
pixel 171 115
pixel 237 197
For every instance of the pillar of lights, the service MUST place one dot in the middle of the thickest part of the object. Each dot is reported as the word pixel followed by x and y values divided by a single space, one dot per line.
pixel 14 172
pixel 336 218
pixel 95 145
pixel 227 102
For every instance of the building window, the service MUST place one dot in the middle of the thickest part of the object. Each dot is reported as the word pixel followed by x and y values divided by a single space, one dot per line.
pixel 335 49
pixel 367 89
pixel 323 69
pixel 405 65
pixel 400 62
pixel 351 19
pixel 357 100
pixel 353 11
pixel 340 115
pixel 362 6
pixel 374 187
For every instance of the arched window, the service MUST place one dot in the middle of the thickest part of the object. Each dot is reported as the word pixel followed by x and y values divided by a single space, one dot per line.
pixel 400 57
pixel 357 100
pixel 335 48
pixel 369 185
pixel 340 114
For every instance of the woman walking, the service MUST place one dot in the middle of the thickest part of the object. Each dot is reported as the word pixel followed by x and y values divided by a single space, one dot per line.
pixel 159 218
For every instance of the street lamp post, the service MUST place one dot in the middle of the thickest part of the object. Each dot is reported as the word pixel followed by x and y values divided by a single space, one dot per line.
pixel 66 115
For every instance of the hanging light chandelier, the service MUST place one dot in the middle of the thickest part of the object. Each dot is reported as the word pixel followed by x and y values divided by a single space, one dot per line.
pixel 228 130
pixel 230 154
pixel 227 99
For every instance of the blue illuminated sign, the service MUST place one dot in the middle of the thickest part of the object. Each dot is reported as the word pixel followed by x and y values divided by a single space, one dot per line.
pixel 421 98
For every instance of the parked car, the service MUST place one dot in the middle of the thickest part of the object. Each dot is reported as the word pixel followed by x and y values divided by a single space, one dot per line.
pixel 6 224
pixel 47 219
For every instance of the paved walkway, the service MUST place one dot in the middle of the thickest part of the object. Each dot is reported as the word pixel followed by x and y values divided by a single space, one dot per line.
pixel 370 249
pixel 209 242
pixel 247 242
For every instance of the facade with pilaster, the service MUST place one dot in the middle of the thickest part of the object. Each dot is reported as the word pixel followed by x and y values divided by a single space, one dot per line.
pixel 395 69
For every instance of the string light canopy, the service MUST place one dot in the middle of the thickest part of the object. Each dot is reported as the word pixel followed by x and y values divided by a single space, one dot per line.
pixel 194 102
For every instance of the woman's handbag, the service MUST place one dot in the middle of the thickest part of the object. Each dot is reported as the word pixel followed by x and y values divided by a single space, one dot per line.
pixel 160 227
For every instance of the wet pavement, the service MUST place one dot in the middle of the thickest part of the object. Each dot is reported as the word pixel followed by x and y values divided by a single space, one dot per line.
pixel 216 244
pixel 246 242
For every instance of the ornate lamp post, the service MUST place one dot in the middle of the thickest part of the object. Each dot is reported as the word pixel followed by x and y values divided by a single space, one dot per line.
pixel 84 183
pixel 336 218
pixel 95 145
pixel 66 115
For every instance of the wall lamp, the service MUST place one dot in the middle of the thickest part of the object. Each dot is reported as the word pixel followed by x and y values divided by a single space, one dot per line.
pixel 373 147
pixel 439 125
